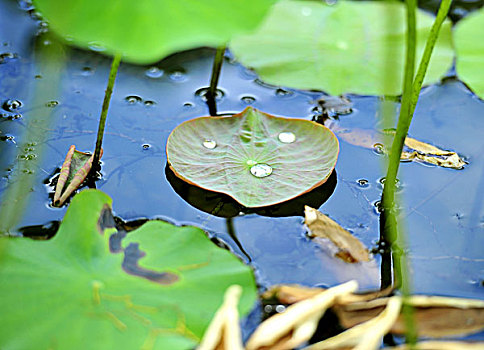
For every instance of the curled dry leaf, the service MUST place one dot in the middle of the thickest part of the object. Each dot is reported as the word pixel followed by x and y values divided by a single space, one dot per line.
pixel 74 171
pixel 297 324
pixel 365 336
pixel 416 150
pixel 441 345
pixel 350 249
pixel 434 316
pixel 223 333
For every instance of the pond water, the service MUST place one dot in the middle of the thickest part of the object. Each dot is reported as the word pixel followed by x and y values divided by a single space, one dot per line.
pixel 444 212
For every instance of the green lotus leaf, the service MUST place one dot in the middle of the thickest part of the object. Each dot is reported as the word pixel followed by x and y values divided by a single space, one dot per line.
pixel 256 158
pixel 157 289
pixel 349 47
pixel 145 31
pixel 470 51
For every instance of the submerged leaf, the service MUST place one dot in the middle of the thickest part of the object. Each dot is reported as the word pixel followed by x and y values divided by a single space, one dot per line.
pixel 340 48
pixel 77 292
pixel 223 333
pixel 255 158
pixel 350 249
pixel 298 322
pixel 74 171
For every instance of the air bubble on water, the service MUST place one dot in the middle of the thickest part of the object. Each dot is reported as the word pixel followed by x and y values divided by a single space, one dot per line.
pixel 202 94
pixel 281 92
pixel 87 71
pixel 154 72
pixel 364 183
pixel 178 75
pixel 210 144
pixel 133 99
pixel 188 105
pixel 280 308
pixel 11 105
pixel 146 146
pixel 268 309
pixel 248 99
pixel 378 148
pixel 287 137
pixel 377 207
pixel 52 103
pixel 261 170
pixel 149 103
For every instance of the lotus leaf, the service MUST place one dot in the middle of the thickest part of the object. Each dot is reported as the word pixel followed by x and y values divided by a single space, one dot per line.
pixel 470 51
pixel 255 158
pixel 145 31
pixel 348 47
pixel 157 290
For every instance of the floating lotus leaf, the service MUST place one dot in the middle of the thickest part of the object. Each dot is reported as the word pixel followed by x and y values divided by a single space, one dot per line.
pixel 145 31
pixel 156 289
pixel 348 47
pixel 470 51
pixel 256 158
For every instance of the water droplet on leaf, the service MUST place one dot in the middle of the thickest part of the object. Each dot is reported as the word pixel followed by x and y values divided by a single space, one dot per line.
pixel 287 137
pixel 261 170
pixel 210 144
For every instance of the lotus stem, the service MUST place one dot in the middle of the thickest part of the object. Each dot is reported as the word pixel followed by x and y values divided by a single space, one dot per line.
pixel 211 95
pixel 105 107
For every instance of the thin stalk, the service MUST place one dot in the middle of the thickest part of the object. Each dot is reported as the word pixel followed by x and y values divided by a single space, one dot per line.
pixel 104 111
pixel 409 101
pixel 211 94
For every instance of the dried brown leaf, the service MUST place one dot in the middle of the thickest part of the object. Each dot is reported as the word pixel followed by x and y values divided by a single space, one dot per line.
pixel 297 324
pixel 350 249
pixel 223 333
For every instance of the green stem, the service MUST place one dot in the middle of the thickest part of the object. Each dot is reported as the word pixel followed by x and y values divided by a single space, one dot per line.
pixel 212 89
pixel 104 111
pixel 409 101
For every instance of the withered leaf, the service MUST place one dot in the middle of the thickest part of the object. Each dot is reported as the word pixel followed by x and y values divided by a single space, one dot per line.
pixel 74 171
pixel 415 150
pixel 350 249
pixel 367 335
pixel 223 333
pixel 434 316
pixel 297 324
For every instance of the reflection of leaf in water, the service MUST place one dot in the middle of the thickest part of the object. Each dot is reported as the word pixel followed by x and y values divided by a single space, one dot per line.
pixel 415 149
pixel 350 249
pixel 74 171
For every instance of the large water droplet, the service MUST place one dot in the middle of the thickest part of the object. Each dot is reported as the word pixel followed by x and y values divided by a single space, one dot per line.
pixel 287 137
pixel 261 170
pixel 210 144
pixel 154 72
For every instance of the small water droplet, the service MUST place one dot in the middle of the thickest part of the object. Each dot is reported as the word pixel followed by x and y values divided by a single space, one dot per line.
pixel 377 207
pixel 378 148
pixel 363 183
pixel 261 170
pixel 287 137
pixel 248 99
pixel 178 75
pixel 52 103
pixel 146 146
pixel 281 92
pixel 95 46
pixel 149 103
pixel 210 144
pixel 188 105
pixel 306 11
pixel 133 99
pixel 280 308
pixel 268 309
pixel 154 72
pixel 11 105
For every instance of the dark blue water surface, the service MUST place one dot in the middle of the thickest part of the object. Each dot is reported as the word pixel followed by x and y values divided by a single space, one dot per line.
pixel 444 213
